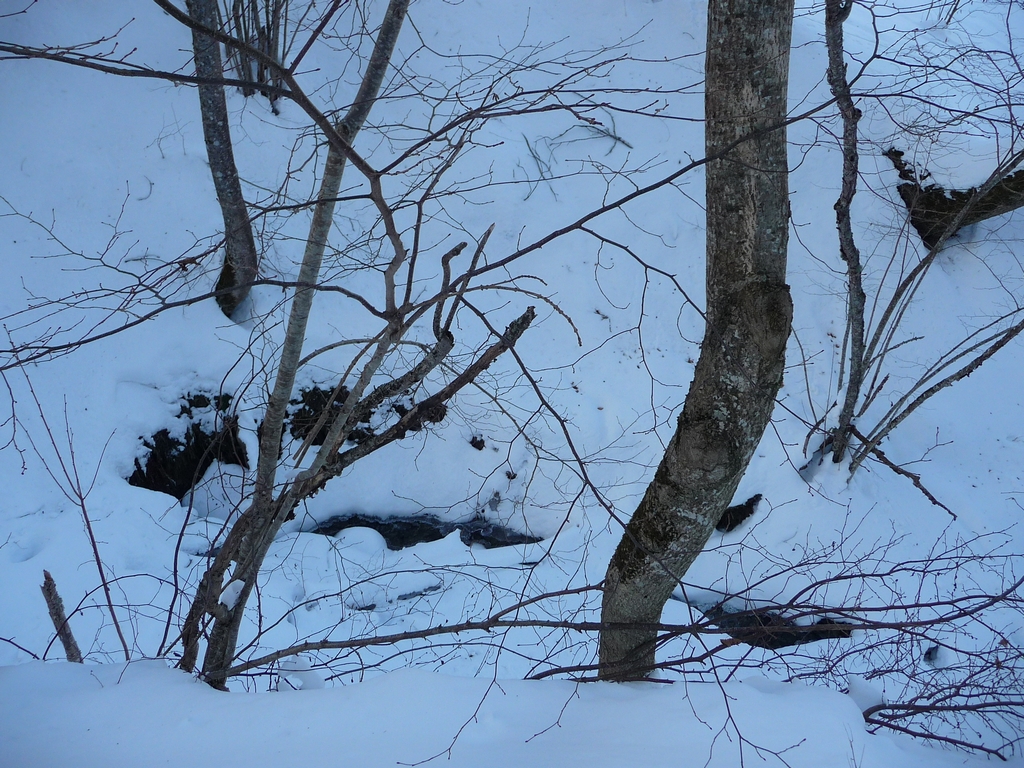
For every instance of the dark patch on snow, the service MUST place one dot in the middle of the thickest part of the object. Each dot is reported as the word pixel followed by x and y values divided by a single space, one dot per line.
pixel 420 592
pixel 934 209
pixel 312 403
pixel 734 515
pixel 402 532
pixel 765 628
pixel 430 412
pixel 174 465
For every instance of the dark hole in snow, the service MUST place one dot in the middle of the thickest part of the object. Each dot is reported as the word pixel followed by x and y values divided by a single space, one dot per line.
pixel 933 209
pixel 769 629
pixel 734 515
pixel 174 464
pixel 402 532
pixel 312 403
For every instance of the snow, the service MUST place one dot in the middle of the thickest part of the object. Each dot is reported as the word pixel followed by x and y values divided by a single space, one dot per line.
pixel 864 694
pixel 103 179
pixel 230 593
pixel 164 717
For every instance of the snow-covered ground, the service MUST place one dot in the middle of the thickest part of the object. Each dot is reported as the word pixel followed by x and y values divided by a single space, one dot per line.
pixel 145 714
pixel 104 190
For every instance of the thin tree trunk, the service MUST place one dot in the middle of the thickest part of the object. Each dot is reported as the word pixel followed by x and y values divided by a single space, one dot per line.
pixel 749 314
pixel 251 536
pixel 240 260
pixel 836 12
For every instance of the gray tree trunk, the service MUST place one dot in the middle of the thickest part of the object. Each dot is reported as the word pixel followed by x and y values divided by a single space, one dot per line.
pixel 240 260
pixel 749 313
pixel 836 13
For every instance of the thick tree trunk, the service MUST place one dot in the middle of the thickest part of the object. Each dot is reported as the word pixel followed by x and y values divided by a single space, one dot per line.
pixel 748 322
pixel 240 260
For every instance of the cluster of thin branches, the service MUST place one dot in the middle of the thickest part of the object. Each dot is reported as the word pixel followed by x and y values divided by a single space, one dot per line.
pixel 930 91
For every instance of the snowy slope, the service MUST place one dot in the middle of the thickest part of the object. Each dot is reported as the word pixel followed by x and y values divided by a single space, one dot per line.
pixel 104 188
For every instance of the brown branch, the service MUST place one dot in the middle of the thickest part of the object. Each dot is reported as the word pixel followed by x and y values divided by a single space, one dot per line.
pixel 883 430
pixel 74 492
pixel 37 351
pixel 127 69
pixel 423 409
pixel 484 625
pixel 914 478
pixel 908 286
pixel 933 736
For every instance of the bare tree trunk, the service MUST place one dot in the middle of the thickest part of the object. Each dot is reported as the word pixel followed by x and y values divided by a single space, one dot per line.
pixel 748 322
pixel 836 12
pixel 251 536
pixel 240 260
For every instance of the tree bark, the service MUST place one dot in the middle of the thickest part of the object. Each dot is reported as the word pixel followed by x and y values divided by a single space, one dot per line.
pixel 60 620
pixel 749 314
pixel 240 260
